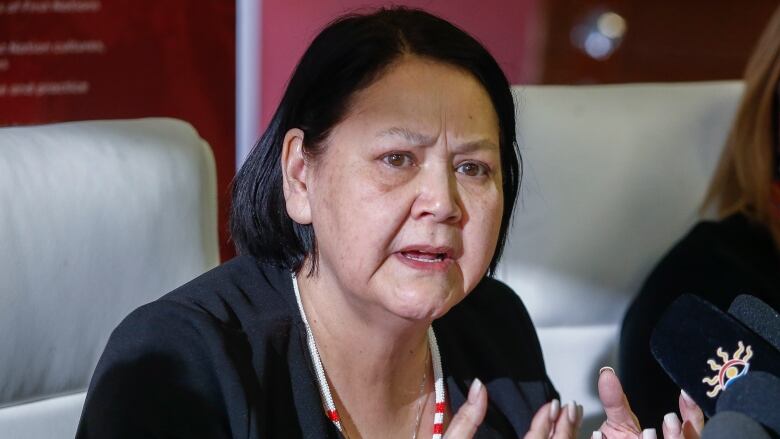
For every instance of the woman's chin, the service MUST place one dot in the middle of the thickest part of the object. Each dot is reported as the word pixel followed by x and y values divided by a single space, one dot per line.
pixel 423 304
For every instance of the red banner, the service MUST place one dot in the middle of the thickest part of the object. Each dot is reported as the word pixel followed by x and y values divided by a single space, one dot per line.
pixel 63 60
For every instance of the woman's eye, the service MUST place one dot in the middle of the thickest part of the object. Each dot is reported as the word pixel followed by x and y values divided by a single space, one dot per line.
pixel 472 169
pixel 398 160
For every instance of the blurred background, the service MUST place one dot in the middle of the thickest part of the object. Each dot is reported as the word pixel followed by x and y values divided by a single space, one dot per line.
pixel 222 65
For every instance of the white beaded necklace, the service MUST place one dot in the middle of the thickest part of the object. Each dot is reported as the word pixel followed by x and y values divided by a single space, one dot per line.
pixel 333 414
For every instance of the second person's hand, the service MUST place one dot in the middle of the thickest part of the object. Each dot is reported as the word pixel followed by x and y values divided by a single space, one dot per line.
pixel 621 422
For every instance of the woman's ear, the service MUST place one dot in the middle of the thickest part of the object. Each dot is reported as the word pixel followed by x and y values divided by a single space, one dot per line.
pixel 294 171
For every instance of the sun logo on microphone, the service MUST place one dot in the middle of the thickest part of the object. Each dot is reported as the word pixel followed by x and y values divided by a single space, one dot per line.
pixel 731 370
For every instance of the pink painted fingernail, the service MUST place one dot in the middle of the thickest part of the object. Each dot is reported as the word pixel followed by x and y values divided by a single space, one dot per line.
pixel 687 398
pixel 555 408
pixel 571 412
pixel 596 435
pixel 476 386
pixel 672 422
pixel 649 433
pixel 606 368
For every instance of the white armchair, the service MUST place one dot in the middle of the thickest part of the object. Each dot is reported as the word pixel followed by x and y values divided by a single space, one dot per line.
pixel 96 218
pixel 614 175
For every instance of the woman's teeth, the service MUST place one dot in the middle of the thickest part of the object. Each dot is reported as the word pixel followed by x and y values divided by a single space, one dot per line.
pixel 425 257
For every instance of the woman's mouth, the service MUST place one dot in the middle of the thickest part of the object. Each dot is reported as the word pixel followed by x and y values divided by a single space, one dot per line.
pixel 425 257
pixel 438 259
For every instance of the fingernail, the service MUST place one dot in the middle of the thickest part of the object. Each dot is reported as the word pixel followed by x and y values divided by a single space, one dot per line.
pixel 474 390
pixel 649 433
pixel 555 408
pixel 596 435
pixel 672 422
pixel 580 415
pixel 571 412
pixel 687 398
pixel 606 368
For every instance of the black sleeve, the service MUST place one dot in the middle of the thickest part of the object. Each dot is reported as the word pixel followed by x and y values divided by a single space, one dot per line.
pixel 518 341
pixel 533 339
pixel 166 372
pixel 489 335
pixel 650 391
pixel 510 308
pixel 692 267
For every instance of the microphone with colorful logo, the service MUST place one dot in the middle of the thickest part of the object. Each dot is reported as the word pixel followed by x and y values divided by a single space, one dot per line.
pixel 729 363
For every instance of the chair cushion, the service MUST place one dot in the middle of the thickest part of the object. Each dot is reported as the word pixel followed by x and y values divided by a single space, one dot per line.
pixel 613 175
pixel 97 218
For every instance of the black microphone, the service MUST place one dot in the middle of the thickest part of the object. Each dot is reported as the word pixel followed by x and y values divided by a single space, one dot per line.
pixel 733 425
pixel 758 316
pixel 756 395
pixel 705 350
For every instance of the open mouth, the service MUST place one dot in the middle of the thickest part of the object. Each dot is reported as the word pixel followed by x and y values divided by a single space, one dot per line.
pixel 427 258
pixel 424 256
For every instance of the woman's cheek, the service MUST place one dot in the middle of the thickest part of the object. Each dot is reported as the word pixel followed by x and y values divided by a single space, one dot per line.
pixel 387 179
pixel 485 209
pixel 384 198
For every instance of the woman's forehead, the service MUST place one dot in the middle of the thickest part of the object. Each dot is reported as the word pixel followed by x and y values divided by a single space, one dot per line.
pixel 420 97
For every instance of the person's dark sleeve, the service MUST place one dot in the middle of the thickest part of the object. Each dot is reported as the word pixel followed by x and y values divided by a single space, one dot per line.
pixel 532 338
pixel 650 391
pixel 523 336
pixel 166 372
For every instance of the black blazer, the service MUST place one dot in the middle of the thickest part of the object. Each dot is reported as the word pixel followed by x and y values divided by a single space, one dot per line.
pixel 225 356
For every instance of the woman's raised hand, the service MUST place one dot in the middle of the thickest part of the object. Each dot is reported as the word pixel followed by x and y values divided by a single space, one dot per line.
pixel 464 424
pixel 551 421
pixel 621 422
pixel 555 422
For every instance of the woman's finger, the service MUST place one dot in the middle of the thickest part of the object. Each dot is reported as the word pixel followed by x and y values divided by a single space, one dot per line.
pixel 543 421
pixel 692 417
pixel 616 407
pixel 672 427
pixel 470 415
pixel 568 423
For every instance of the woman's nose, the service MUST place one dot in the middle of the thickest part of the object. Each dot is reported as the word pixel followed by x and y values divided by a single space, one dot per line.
pixel 437 196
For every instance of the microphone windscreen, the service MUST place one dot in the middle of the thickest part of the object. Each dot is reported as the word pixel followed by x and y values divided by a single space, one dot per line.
pixel 733 425
pixel 756 395
pixel 758 316
pixel 705 350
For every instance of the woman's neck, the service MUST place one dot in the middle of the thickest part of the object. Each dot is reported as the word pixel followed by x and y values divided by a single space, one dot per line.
pixel 373 360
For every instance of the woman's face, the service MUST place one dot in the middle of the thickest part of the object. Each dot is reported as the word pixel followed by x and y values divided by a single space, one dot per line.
pixel 406 199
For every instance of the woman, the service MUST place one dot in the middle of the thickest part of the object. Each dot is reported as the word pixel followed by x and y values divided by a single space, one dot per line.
pixel 719 260
pixel 368 217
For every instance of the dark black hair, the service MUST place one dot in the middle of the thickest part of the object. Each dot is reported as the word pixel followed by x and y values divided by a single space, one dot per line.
pixel 346 57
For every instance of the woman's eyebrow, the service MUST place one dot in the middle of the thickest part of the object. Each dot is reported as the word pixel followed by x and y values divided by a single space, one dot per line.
pixel 481 144
pixel 422 139
pixel 409 135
